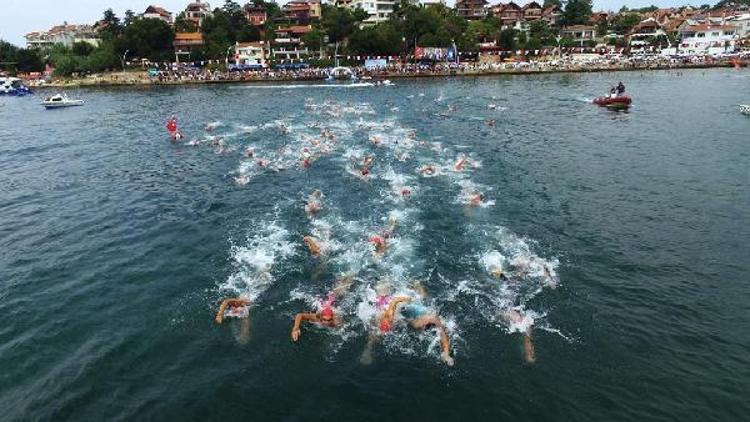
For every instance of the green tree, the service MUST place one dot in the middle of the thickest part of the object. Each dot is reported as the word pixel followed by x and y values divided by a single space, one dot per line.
pixel 623 23
pixel 111 27
pixel 548 3
pixel 577 12
pixel 507 39
pixel 81 48
pixel 149 39
pixel 183 24
pixel 129 17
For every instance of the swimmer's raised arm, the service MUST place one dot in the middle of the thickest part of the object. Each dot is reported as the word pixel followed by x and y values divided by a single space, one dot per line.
pixel 391 311
pixel 445 344
pixel 222 309
pixel 229 302
pixel 298 321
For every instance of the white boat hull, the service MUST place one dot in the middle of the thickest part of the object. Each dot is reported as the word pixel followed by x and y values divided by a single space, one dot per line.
pixel 70 103
pixel 745 109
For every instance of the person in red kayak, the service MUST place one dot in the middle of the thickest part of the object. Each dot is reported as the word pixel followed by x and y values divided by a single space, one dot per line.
pixel 172 128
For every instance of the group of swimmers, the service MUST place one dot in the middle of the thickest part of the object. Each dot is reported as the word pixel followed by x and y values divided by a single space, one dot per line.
pixel 394 311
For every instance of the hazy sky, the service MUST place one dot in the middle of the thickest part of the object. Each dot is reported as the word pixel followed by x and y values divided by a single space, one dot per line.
pixel 19 17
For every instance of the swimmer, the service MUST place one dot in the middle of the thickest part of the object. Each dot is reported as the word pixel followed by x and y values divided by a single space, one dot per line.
pixel 236 308
pixel 428 170
pixel 385 306
pixel 249 152
pixel 326 317
pixel 262 162
pixel 380 244
pixel 498 272
pixel 312 245
pixel 420 317
pixel 210 127
pixel 459 166
pixel 490 122
pixel 477 199
pixel 376 140
pixel 232 308
pixel 514 317
pixel 283 129
pixel 305 162
pixel 367 162
pixel 491 106
pixel 314 204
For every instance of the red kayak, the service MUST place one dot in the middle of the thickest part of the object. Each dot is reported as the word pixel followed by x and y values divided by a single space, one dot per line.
pixel 608 101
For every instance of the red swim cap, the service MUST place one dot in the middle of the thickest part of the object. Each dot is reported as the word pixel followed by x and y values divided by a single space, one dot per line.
pixel 326 313
pixel 385 326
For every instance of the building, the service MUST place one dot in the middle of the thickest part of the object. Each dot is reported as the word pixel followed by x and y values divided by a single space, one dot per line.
pixel 642 32
pixel 532 11
pixel 301 12
pixel 185 43
pixel 158 12
pixel 552 15
pixel 64 34
pixel 251 54
pixel 346 4
pixel 509 14
pixel 432 3
pixel 197 11
pixel 288 43
pixel 708 39
pixel 471 9
pixel 579 33
pixel 377 10
pixel 256 14
pixel 742 24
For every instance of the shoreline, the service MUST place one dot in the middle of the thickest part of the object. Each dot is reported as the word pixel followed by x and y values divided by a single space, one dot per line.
pixel 141 79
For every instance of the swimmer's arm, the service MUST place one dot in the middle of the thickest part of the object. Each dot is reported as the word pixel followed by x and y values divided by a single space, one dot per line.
pixel 395 302
pixel 298 321
pixel 528 347
pixel 222 309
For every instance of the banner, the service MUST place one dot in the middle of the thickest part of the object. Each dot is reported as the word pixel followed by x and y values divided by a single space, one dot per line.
pixel 378 63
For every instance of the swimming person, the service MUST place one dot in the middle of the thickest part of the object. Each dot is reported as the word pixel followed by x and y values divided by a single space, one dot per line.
pixel 524 323
pixel 314 203
pixel 460 162
pixel 236 308
pixel 419 317
pixel 326 317
pixel 174 132
pixel 312 245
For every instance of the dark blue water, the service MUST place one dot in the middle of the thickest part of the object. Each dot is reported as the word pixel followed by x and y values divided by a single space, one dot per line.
pixel 116 245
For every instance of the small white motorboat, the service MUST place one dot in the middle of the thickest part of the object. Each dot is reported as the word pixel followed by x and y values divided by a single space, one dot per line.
pixel 745 109
pixel 59 101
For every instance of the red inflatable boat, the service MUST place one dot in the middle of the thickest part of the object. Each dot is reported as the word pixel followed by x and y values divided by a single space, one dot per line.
pixel 610 101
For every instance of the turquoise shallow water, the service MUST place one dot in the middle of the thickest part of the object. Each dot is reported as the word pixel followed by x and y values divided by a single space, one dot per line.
pixel 116 244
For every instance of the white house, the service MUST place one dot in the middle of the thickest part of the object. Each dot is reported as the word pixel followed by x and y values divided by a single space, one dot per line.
pixel 377 10
pixel 158 12
pixel 708 39
pixel 251 54
pixel 742 24
pixel 197 11
pixel 64 34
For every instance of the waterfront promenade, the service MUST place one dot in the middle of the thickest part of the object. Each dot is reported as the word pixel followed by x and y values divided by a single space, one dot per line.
pixel 205 76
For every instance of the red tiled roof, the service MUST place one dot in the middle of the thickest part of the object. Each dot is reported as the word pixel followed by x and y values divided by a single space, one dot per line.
pixel 707 27
pixel 188 36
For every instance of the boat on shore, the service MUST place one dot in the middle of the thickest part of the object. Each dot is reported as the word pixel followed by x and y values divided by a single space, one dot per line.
pixel 60 101
pixel 609 101
pixel 745 109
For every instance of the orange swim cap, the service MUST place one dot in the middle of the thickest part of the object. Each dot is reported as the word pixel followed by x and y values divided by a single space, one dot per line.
pixel 385 326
